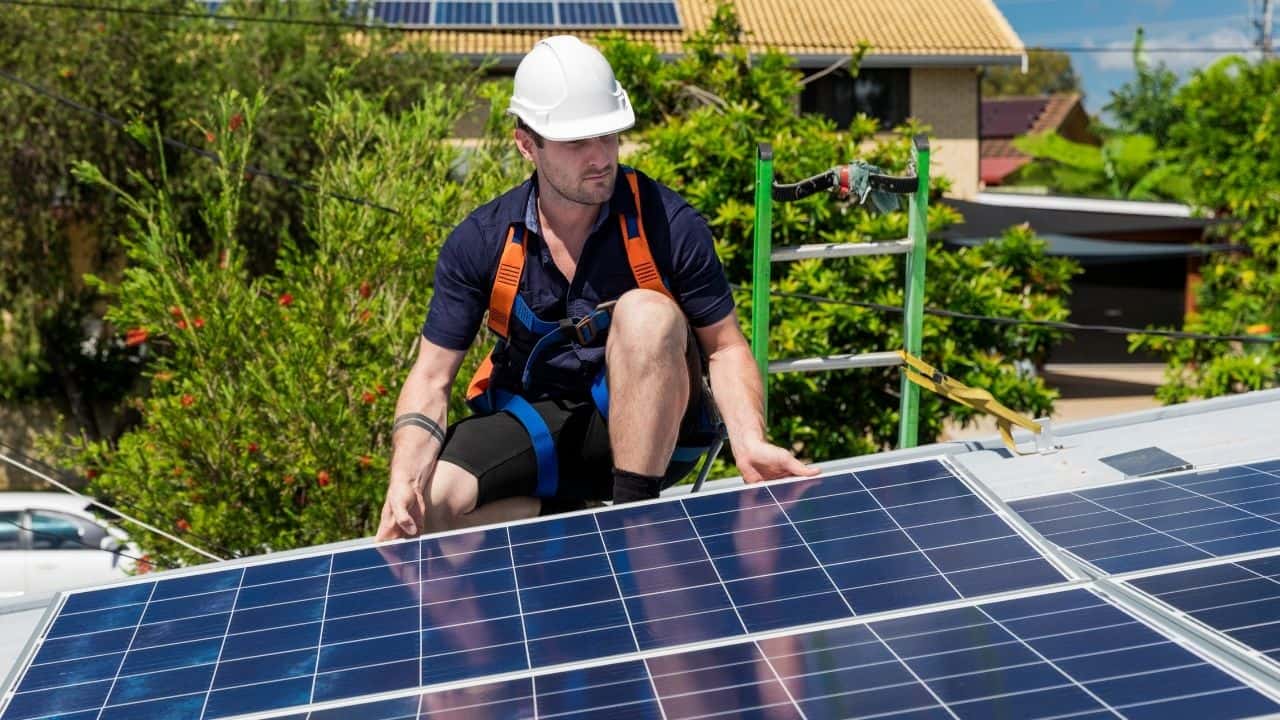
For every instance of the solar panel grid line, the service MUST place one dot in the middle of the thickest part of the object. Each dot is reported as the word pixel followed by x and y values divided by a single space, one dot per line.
pixel 123 655
pixel 738 614
pixel 1202 640
pixel 524 632
pixel 221 647
pixel 914 674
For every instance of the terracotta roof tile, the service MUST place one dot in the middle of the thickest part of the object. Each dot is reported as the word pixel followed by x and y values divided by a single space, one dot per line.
pixel 925 28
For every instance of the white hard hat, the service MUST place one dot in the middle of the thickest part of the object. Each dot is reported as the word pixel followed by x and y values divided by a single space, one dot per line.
pixel 565 90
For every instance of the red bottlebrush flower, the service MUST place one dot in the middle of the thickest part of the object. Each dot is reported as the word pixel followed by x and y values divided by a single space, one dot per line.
pixel 199 322
pixel 136 336
pixel 382 389
pixel 365 461
pixel 365 289
pixel 288 479
pixel 91 473
pixel 183 525
pixel 188 400
pixel 176 312
pixel 368 398
pixel 182 324
pixel 285 299
pixel 223 260
pixel 209 137
pixel 236 121
pixel 322 478
pixel 364 316
pixel 251 448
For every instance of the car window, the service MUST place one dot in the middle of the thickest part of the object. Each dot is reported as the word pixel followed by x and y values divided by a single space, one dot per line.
pixel 10 531
pixel 58 531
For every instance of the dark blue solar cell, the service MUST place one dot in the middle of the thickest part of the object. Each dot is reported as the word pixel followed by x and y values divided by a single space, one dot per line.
pixel 587 13
pixel 999 578
pixel 167 657
pixel 649 13
pixel 900 474
pixel 724 681
pixel 405 708
pixel 678 630
pixel 278 666
pixel 466 586
pixel 899 594
pixel 486 660
pixel 57 701
pixel 179 707
pixel 78 646
pixel 550 597
pixel 357 603
pixel 526 13
pixel 556 549
pixel 1093 666
pixel 1239 703
pixel 920 492
pixel 254 698
pixel 196 584
pixel 151 686
pixel 981 554
pixel 102 667
pixel 196 628
pixel 276 615
pixel 909 516
pixel 861 547
pixel 81 623
pixel 288 570
pixel 277 592
pixel 1049 702
pixel 159 611
pixel 553 650
pixel 1244 543
pixel 108 598
pixel 366 680
pixel 1266 566
pixel 575 619
pixel 672 575
pixel 1154 557
pixel 1137 688
pixel 389 622
pixel 368 652
pixel 511 699
pixel 614 686
pixel 463 13
pixel 942 534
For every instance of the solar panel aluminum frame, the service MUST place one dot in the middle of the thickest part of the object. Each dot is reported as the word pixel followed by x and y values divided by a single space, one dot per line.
pixel 1141 612
pixel 1228 648
pixel 1074 579
pixel 370 17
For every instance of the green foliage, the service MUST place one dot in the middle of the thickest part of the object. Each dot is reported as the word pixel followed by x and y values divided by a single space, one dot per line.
pixel 266 422
pixel 1145 105
pixel 1228 124
pixel 1048 72
pixel 1129 167
pixel 705 149
pixel 162 69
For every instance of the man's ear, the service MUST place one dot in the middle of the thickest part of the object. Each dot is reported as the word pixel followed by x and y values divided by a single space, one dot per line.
pixel 524 143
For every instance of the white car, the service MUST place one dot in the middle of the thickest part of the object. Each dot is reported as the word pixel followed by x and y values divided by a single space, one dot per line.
pixel 53 541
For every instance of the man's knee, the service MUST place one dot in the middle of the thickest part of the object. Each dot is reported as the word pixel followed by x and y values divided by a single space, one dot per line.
pixel 645 321
pixel 451 494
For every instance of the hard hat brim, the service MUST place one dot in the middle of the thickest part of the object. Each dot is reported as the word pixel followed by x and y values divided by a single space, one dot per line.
pixel 600 125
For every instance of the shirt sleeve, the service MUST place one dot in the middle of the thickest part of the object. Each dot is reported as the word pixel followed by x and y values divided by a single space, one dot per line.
pixel 698 277
pixel 461 292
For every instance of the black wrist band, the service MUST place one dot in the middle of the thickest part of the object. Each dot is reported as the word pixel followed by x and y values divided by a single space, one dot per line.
pixel 419 420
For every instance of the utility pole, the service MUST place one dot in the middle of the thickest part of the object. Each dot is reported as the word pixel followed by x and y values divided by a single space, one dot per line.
pixel 1264 29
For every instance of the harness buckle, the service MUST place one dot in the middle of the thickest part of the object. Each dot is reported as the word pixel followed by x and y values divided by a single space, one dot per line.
pixel 589 328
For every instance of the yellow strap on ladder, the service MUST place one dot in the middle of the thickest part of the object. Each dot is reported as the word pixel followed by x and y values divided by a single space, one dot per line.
pixel 930 378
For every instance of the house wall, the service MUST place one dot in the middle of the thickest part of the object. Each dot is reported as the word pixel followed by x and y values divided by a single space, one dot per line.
pixel 947 99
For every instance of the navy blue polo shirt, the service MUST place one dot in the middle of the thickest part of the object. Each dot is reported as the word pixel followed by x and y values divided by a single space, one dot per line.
pixel 679 240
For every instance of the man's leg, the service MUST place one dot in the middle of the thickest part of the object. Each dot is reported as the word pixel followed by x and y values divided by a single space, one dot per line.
pixel 648 381
pixel 451 502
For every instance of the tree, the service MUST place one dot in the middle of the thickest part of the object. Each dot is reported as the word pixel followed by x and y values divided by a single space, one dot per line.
pixel 1145 105
pixel 160 68
pixel 1228 122
pixel 1048 72
pixel 1127 167
pixel 266 418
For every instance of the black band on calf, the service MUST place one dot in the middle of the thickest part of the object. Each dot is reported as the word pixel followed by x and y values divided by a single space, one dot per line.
pixel 419 420
pixel 629 486
pixel 555 506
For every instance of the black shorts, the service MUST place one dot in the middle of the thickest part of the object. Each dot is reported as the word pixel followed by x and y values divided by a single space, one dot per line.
pixel 497 450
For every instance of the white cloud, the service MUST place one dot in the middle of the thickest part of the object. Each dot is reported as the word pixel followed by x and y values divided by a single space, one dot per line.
pixel 1227 40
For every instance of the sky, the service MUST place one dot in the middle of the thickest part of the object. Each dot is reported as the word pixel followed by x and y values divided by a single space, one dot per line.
pixel 1216 24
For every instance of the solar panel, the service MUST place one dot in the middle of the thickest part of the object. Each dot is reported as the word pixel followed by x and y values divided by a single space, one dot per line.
pixel 1164 521
pixel 1240 599
pixel 530 595
pixel 547 14
pixel 1064 654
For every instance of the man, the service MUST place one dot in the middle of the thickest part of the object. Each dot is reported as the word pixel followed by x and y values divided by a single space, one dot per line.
pixel 572 412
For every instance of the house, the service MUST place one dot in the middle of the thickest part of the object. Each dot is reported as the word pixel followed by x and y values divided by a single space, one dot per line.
pixel 1005 118
pixel 925 56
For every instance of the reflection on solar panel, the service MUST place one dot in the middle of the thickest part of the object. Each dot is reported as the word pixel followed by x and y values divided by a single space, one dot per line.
pixel 1065 654
pixel 1165 521
pixel 529 595
pixel 1241 599
pixel 459 14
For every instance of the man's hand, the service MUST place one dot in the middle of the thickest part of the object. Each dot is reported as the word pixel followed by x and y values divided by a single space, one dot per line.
pixel 403 512
pixel 762 461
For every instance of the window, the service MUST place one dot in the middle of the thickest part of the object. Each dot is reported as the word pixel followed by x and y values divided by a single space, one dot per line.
pixel 10 532
pixel 881 93
pixel 58 531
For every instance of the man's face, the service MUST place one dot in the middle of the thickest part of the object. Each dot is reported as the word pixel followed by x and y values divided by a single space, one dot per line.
pixel 581 171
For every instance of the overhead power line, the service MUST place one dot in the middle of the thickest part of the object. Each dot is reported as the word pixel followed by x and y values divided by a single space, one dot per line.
pixel 389 27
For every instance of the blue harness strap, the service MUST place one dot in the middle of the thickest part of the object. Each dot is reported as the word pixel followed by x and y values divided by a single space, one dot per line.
pixel 544 446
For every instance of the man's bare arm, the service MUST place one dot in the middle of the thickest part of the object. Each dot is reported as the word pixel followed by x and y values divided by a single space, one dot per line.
pixel 414 450
pixel 739 394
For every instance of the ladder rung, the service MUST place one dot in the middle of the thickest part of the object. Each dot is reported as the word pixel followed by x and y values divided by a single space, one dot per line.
pixel 837 362
pixel 835 250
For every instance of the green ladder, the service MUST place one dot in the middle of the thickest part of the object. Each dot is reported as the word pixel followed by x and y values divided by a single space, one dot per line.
pixel 916 186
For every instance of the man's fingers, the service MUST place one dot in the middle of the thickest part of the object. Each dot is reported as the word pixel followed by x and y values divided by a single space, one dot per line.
pixel 795 467
pixel 404 521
